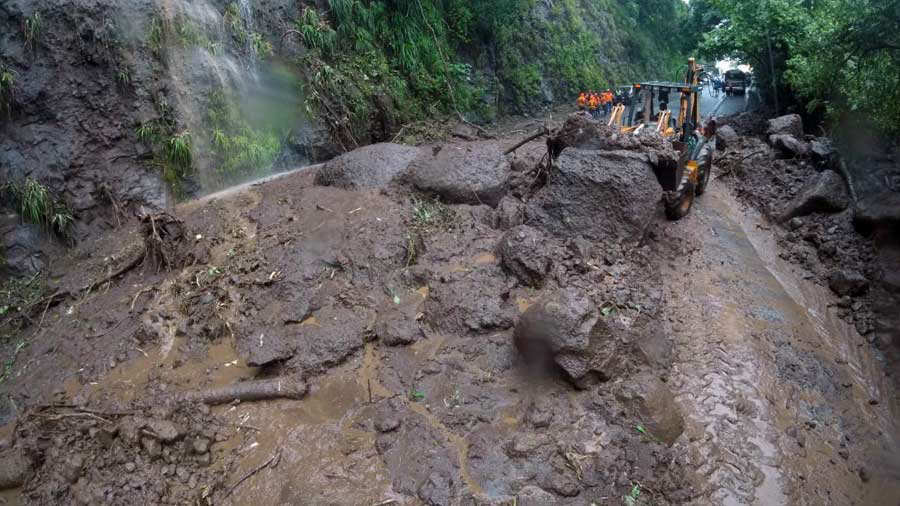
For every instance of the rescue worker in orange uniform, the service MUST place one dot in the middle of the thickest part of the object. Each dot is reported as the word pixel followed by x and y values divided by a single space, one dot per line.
pixel 582 101
pixel 607 101
pixel 594 104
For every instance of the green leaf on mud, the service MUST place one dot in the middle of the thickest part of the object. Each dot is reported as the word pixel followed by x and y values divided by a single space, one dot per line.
pixel 416 395
pixel 641 429
pixel 396 299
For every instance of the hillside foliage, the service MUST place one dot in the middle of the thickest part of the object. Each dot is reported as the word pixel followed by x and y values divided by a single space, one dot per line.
pixel 838 59
pixel 398 61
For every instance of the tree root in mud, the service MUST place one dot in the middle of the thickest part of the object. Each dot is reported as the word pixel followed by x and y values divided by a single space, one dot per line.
pixel 292 387
pixel 163 236
pixel 542 131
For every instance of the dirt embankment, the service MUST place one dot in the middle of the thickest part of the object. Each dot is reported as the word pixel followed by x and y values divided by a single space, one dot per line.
pixel 395 296
pixel 835 215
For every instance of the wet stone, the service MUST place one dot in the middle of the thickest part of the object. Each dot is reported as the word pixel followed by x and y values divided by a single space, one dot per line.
pixel 129 467
pixel 201 445
pixel 534 496
pixel 436 490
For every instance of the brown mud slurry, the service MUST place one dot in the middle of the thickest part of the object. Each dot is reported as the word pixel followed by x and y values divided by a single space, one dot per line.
pixel 776 391
pixel 777 388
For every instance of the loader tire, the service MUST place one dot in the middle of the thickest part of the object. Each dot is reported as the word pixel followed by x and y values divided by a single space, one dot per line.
pixel 678 203
pixel 703 178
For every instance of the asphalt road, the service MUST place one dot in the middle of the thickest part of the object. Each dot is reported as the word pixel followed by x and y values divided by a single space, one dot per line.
pixel 718 106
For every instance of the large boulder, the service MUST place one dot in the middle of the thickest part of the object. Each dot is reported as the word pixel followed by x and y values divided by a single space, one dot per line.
pixel 525 253
pixel 558 329
pixel 564 330
pixel 726 138
pixel 789 124
pixel 602 195
pixel 462 173
pixel 370 166
pixel 788 145
pixel 826 192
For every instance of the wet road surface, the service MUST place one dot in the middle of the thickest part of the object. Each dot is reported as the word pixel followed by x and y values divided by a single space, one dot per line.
pixel 779 394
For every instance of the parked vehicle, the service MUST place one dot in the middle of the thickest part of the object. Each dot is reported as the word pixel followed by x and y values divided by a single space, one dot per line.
pixel 735 81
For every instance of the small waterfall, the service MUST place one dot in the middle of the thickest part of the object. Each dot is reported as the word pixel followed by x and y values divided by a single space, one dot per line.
pixel 232 99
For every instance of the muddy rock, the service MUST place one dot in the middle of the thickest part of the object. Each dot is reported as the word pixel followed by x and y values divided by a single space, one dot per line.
pixel 437 490
pixel 788 145
pixel 72 467
pixel 824 193
pixel 821 150
pixel 21 247
pixel 370 166
pixel 395 326
pixel 726 138
pixel 558 329
pixel 651 403
pixel 510 213
pixel 532 495
pixel 165 430
pixel 469 173
pixel 848 282
pixel 603 195
pixel 474 301
pixel 14 468
pixel 388 416
pixel 789 124
pixel 525 253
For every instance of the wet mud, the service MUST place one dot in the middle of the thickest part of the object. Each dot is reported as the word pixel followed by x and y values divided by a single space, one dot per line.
pixel 727 379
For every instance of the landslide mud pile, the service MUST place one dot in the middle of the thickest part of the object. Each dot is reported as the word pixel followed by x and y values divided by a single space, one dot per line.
pixel 492 324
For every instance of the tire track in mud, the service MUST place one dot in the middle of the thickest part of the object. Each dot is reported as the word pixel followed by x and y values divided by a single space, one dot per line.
pixel 770 417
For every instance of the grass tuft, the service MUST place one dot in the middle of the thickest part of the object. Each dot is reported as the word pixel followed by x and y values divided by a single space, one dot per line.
pixel 32 31
pixel 36 204
pixel 7 90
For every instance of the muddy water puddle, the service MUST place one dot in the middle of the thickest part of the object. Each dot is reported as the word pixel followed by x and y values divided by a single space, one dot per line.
pixel 777 390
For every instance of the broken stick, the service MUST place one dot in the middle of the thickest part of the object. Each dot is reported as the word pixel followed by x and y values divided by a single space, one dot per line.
pixel 542 131
pixel 291 387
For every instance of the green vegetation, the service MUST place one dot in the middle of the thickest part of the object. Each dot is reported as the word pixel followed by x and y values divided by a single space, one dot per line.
pixel 376 63
pixel 32 30
pixel 242 36
pixel 171 151
pixel 855 80
pixel 36 204
pixel 632 498
pixel 7 90
pixel 238 150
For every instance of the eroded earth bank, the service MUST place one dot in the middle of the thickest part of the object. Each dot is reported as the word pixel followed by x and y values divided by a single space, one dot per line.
pixel 448 324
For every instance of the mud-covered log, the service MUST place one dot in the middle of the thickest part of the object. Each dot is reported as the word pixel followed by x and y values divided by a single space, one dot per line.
pixel 291 387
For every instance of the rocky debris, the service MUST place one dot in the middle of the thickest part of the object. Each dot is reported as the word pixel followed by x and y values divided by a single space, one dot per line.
pixel 603 195
pixel 826 192
pixel 525 253
pixel 14 468
pixel 510 213
pixel 789 124
pixel 372 166
pixel 396 326
pixel 788 145
pixel 726 138
pixel 388 416
pixel 22 249
pixel 558 329
pixel 848 282
pixel 822 151
pixel 164 430
pixel 650 402
pixel 462 173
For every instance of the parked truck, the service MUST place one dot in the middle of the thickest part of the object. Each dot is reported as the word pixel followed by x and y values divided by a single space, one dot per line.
pixel 736 81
